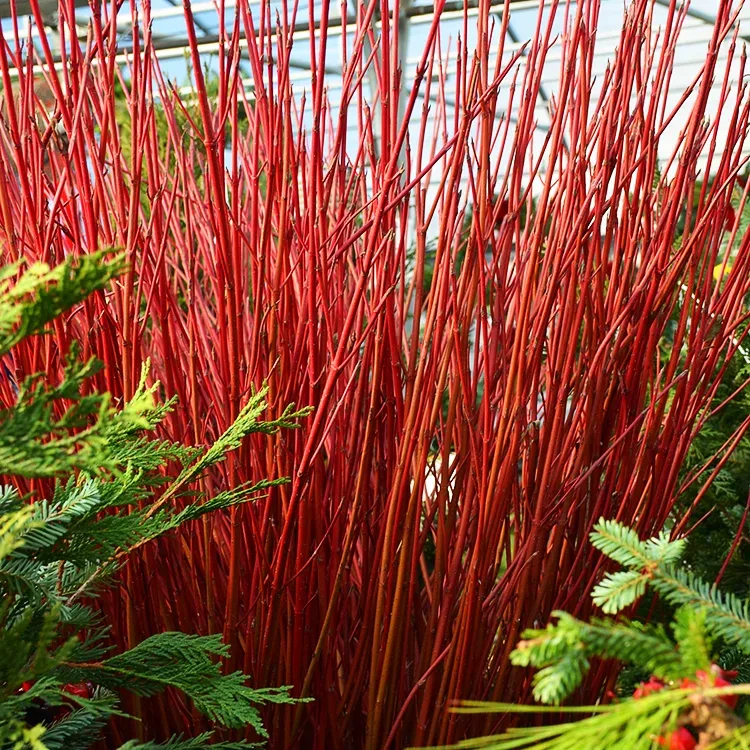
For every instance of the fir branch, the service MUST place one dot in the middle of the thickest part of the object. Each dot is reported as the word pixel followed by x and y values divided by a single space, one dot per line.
pixel 562 652
pixel 620 543
pixel 13 528
pixel 694 640
pixel 74 731
pixel 188 663
pixel 619 590
pixel 727 616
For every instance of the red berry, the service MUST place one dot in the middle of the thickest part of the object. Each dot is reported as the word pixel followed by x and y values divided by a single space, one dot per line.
pixel 680 739
pixel 717 678
pixel 654 685
pixel 27 686
pixel 730 700
pixel 81 689
pixel 725 674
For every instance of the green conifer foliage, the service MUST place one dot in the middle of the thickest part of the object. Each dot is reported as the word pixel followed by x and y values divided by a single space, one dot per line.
pixel 59 682
pixel 689 702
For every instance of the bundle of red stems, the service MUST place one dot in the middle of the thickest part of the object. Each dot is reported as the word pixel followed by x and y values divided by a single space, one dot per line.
pixel 476 306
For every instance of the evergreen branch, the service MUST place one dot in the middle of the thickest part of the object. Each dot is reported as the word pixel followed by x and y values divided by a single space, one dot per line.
pixel 114 537
pixel 41 294
pixel 188 663
pixel 620 543
pixel 663 550
pixel 727 616
pixel 55 549
pixel 619 590
pixel 694 640
pixel 562 652
pixel 704 704
pixel 247 422
pixel 154 525
pixel 627 725
pixel 13 528
pixel 200 742
pixel 74 731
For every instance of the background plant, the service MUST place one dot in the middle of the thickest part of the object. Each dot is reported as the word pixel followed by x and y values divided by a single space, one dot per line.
pixel 716 515
pixel 59 680
pixel 473 419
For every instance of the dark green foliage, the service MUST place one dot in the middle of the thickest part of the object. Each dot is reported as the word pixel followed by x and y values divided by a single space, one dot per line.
pixel 57 552
pixel 723 505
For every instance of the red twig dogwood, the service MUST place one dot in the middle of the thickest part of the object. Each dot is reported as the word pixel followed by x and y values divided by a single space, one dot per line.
pixel 474 291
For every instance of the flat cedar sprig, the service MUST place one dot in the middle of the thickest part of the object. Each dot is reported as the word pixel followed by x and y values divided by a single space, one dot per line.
pixel 58 676
pixel 507 314
pixel 35 298
pixel 189 664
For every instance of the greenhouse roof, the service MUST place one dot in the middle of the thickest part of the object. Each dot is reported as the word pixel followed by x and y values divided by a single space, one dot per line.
pixel 168 20
pixel 169 35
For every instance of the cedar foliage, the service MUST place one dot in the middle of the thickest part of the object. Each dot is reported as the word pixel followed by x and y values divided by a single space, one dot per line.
pixel 58 552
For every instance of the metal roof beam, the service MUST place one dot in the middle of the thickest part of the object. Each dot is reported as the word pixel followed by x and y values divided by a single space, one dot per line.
pixel 700 15
pixel 23 7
